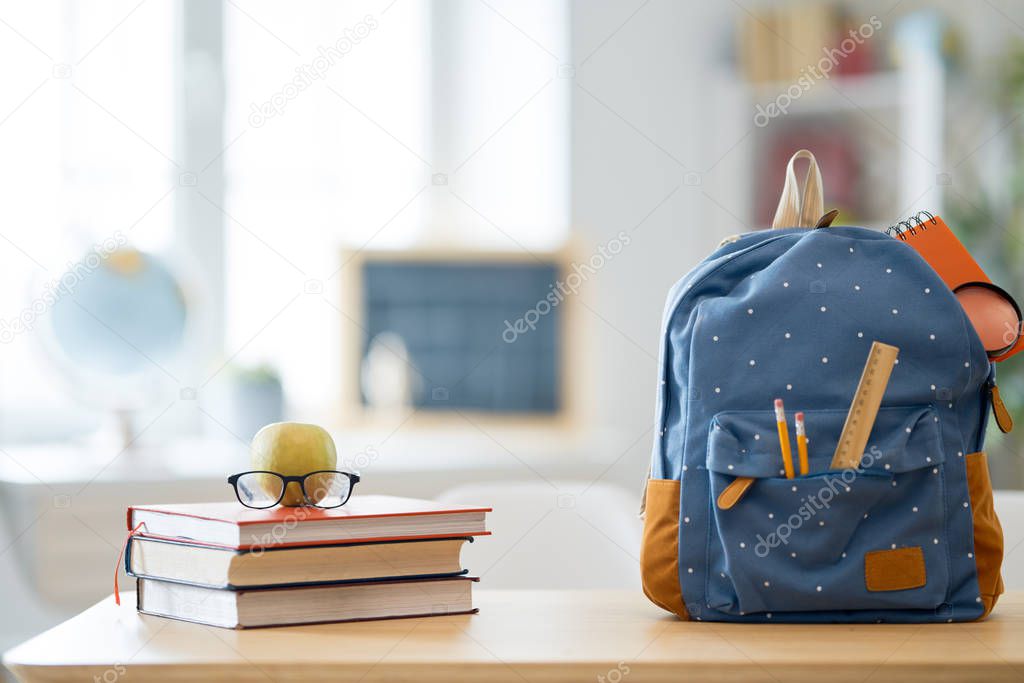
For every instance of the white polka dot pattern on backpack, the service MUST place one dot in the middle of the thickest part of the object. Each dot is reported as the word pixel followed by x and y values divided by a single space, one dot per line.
pixel 733 344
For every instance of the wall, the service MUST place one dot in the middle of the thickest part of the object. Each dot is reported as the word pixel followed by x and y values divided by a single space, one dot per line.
pixel 648 158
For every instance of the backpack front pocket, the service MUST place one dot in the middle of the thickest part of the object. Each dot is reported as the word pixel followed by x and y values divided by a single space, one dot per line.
pixel 870 538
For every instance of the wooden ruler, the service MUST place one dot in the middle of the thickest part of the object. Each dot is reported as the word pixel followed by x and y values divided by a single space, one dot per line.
pixel 864 409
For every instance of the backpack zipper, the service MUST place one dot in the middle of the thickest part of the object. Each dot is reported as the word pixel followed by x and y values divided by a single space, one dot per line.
pixel 1003 418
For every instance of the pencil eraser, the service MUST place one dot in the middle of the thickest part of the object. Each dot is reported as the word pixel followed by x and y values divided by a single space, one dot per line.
pixel 778 403
pixel 800 416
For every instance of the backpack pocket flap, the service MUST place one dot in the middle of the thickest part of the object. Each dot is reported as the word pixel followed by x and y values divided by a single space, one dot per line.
pixel 746 443
pixel 814 542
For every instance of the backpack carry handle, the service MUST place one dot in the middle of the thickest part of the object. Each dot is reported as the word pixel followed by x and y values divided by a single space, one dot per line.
pixel 800 209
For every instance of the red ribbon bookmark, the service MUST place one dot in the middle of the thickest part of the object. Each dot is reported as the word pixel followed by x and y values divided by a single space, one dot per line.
pixel 120 558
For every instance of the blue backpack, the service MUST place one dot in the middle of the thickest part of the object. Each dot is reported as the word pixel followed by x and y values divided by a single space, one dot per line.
pixel 908 536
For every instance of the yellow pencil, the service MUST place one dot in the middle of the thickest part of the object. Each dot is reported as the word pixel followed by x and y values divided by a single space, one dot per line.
pixel 801 442
pixel 787 454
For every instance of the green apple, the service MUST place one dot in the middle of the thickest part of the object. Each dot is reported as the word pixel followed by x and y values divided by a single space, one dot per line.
pixel 292 449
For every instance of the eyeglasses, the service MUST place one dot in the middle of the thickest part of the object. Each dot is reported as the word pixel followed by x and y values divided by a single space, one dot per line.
pixel 261 489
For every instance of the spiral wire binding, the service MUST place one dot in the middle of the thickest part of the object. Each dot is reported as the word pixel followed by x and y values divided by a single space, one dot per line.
pixel 911 225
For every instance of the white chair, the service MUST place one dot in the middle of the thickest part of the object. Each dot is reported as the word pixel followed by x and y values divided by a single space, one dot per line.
pixel 567 534
pixel 1010 509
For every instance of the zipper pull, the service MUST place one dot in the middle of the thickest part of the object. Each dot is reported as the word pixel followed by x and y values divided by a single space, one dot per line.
pixel 734 492
pixel 1003 418
pixel 642 514
pixel 826 220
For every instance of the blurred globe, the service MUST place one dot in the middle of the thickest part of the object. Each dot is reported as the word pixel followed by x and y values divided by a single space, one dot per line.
pixel 117 320
pixel 129 300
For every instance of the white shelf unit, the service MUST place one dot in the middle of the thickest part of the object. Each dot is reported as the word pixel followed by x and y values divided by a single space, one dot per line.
pixel 898 113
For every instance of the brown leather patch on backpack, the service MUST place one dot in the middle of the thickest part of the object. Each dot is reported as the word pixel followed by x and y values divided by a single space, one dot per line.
pixel 898 569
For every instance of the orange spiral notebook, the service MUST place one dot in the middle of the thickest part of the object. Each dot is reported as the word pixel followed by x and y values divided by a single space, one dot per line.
pixel 935 242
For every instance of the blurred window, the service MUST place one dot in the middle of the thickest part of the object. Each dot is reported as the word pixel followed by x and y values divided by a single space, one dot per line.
pixel 378 125
pixel 87 111
pixel 369 125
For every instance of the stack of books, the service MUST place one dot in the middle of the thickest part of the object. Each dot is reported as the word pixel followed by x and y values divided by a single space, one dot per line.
pixel 377 557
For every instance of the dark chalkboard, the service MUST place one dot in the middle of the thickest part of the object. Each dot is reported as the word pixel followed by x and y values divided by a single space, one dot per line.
pixel 484 335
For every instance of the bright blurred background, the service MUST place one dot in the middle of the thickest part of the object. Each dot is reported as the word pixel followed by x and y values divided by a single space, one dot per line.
pixel 443 229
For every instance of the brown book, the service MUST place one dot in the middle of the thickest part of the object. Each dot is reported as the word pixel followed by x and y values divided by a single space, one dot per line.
pixel 217 567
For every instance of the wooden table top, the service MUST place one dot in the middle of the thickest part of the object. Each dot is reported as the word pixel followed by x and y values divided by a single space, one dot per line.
pixel 524 636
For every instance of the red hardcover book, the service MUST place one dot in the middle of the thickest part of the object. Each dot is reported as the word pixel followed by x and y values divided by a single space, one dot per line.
pixel 363 519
